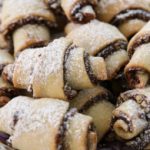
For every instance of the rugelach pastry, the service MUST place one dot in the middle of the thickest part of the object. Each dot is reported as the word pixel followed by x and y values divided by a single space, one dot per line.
pixel 131 118
pixel 46 124
pixel 80 11
pixel 128 15
pixel 102 40
pixel 56 71
pixel 138 69
pixel 26 24
pixel 95 102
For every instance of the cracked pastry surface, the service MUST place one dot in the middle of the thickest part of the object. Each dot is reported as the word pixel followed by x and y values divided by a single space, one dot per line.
pixel 103 40
pixel 129 17
pixel 44 117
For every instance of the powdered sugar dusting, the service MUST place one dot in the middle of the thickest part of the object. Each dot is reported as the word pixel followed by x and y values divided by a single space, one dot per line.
pixel 95 35
pixel 41 63
pixel 32 115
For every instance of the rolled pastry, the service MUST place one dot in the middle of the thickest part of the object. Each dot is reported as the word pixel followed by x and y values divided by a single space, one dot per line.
pixel 130 15
pixel 30 36
pixel 56 71
pixel 81 11
pixel 26 23
pixel 95 103
pixel 131 117
pixel 104 40
pixel 137 71
pixel 46 124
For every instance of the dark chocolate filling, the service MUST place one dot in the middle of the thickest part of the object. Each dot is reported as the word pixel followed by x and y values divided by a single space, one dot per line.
pixel 81 17
pixel 69 92
pixel 140 142
pixel 144 39
pixel 63 128
pixel 132 77
pixel 35 45
pixel 127 96
pixel 89 70
pixel 94 100
pixel 29 20
pixel 123 117
pixel 131 14
pixel 112 47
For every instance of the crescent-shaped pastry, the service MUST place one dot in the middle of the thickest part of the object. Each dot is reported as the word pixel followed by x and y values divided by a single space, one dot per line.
pixel 56 71
pixel 138 69
pixel 46 124
pixel 103 40
pixel 81 11
pixel 94 102
pixel 131 117
pixel 128 15
pixel 28 25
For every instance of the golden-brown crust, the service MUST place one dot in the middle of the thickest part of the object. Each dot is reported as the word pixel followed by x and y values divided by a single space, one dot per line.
pixel 95 103
pixel 44 117
pixel 70 27
pixel 129 17
pixel 29 36
pixel 142 37
pixel 107 9
pixel 99 38
pixel 137 70
pixel 27 12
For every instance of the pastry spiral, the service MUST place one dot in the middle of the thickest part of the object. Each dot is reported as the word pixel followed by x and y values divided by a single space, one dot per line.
pixel 56 71
pixel 94 102
pixel 28 24
pixel 27 120
pixel 81 11
pixel 138 69
pixel 103 40
pixel 131 117
pixel 130 15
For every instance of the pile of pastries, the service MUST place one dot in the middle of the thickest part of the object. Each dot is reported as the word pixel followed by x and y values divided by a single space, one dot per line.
pixel 74 74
